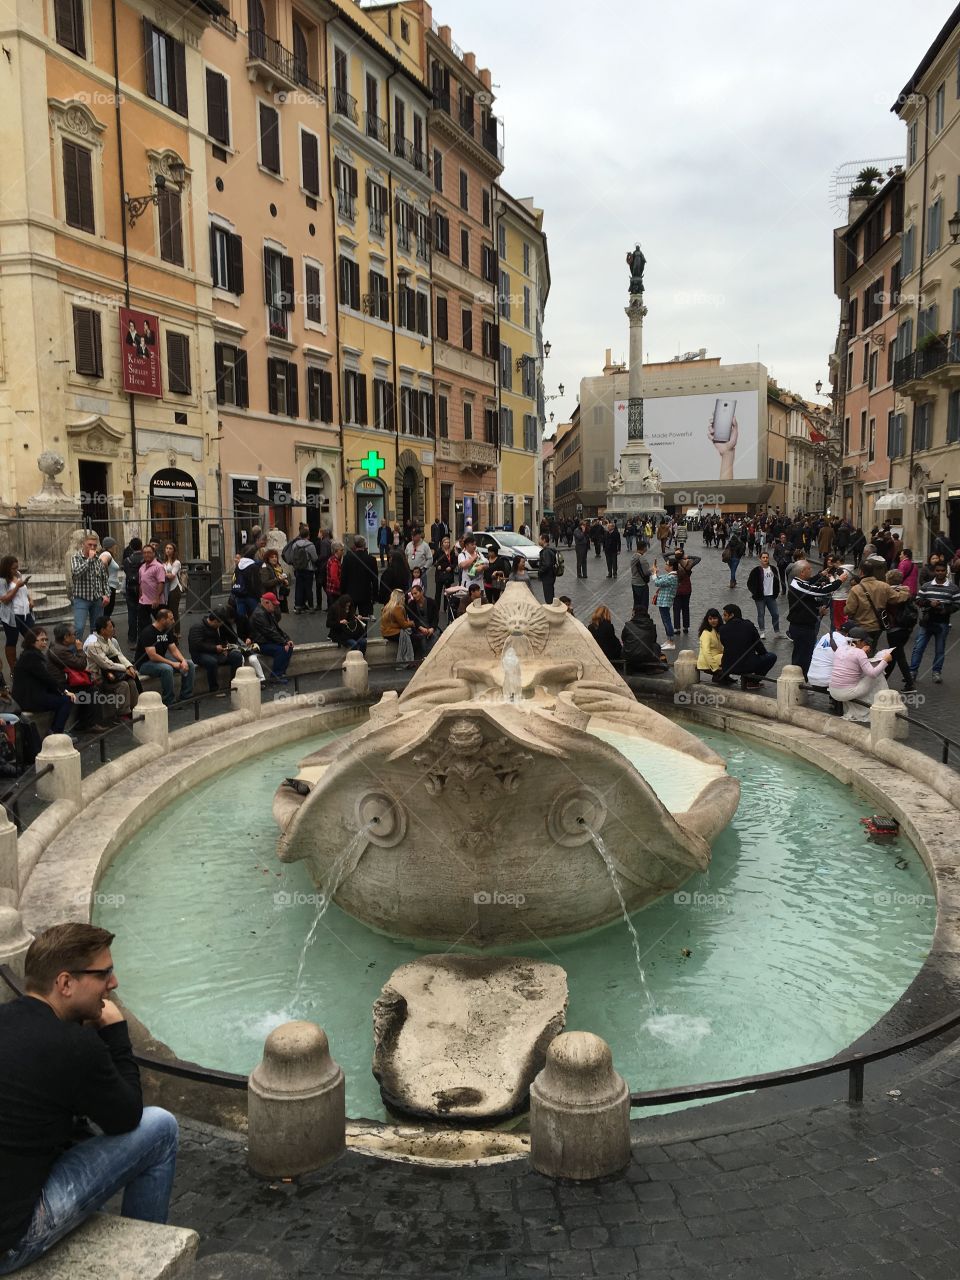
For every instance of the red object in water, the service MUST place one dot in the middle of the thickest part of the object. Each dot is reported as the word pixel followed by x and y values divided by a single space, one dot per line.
pixel 878 826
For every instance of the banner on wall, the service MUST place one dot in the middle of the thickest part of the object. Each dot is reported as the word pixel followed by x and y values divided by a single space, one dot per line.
pixel 140 353
pixel 699 439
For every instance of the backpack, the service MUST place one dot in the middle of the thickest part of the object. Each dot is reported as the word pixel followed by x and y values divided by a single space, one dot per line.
pixel 299 559
pixel 241 580
pixel 286 553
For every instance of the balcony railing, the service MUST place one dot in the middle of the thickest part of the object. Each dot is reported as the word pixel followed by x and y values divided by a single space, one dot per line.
pixel 403 236
pixel 344 104
pixel 405 150
pixel 272 54
pixel 490 141
pixel 378 222
pixel 225 23
pixel 441 100
pixel 467 122
pixel 377 128
pixel 476 454
pixel 346 204
pixel 926 360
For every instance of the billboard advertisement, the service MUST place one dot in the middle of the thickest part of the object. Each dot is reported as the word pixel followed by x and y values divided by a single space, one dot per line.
pixel 698 439
pixel 140 352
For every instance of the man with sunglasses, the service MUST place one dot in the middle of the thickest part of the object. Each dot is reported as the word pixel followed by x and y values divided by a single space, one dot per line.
pixel 65 1054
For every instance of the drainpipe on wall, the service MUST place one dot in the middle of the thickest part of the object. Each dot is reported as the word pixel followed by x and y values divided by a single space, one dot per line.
pixel 123 235
pixel 344 482
pixel 923 245
pixel 496 313
pixel 395 294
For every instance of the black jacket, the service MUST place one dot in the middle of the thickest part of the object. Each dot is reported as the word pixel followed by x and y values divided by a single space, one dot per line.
pixel 606 638
pixel 50 1073
pixel 611 541
pixel 204 639
pixel 755 582
pixel 640 645
pixel 426 616
pixel 741 647
pixel 265 629
pixel 34 680
pixel 360 580
pixel 806 597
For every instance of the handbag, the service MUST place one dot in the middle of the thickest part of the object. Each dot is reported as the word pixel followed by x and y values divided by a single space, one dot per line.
pixel 78 679
pixel 726 555
pixel 881 615
pixel 404 647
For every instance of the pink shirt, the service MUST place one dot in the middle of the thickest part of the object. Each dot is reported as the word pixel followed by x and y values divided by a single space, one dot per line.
pixel 911 575
pixel 153 580
pixel 851 664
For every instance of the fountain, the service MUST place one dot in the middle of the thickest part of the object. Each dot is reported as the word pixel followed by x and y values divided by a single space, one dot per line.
pixel 474 804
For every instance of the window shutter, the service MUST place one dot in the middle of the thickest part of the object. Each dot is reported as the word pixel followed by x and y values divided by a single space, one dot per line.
pixel 267 278
pixel 355 285
pixel 218 121
pixel 310 157
pixel 240 377
pixel 423 322
pixel 390 407
pixel 269 139
pixel 326 396
pixel 235 263
pixel 213 253
pixel 178 99
pixel 178 363
pixel 219 372
pixel 68 16
pixel 78 187
pixel 293 391
pixel 353 181
pixel 86 338
pixel 313 394
pixel 171 230
pixel 955 318
pixel 272 403
pixel 148 38
pixel 362 399
pixel 286 282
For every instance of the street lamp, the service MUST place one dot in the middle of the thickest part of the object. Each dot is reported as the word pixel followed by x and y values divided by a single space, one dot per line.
pixel 819 386
pixel 953 226
pixel 138 205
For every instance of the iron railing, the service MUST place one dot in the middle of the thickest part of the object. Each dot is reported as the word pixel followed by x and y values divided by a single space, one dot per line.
pixel 376 128
pixel 344 104
pixel 925 360
pixel 346 204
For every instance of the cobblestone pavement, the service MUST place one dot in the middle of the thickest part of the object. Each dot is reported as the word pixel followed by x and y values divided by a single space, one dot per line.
pixel 868 1192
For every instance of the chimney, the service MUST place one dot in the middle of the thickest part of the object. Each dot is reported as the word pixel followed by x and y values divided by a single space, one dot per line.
pixel 486 79
pixel 470 62
pixel 446 36
pixel 606 363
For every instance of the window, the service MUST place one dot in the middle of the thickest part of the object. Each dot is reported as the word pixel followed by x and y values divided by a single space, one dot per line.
pixel 907 249
pixel 530 432
pixel 872 440
pixel 230 364
pixel 934 226
pixel 953 417
pixel 528 378
pixel 68 18
pixel 345 179
pixel 526 306
pixel 912 143
pixel 354 408
pixel 310 163
pixel 384 409
pixel 277 290
pixel 377 208
pixel 786 472
pixel 406 411
pixel 504 298
pixel 340 69
pixel 78 187
pixel 506 434
pixel 923 425
pixel 379 296
pixel 896 434
pixel 441 234
pixel 438 170
pixel 166 68
pixel 226 259
pixel 846 435
pixel 849 368
pixel 465 247
pixel 939 104
pixel 423 235
pixel 269 138
pixel 314 298
pixel 486 207
pixel 464 190
pixel 171 226
pixel 872 370
pixel 349 283
pixel 406 307
pixel 769 468
pixel 373 106
pixel 466 326
pixel 891 352
pixel 526 258
pixel 468 420
pixel 443 422
pixel 282 390
pixel 404 221
pixel 863 429
pixel 894 299
pixel 218 107
pixel 319 395
pixel 87 344
pixel 928 321
pixel 490 424
pixel 405 30
pixel 502 240
pixel 506 367
pixel 178 363
pixel 399 123
pixel 489 339
pixel 852 317
pixel 779 470
pixel 301 56
pixel 442 321
pixel 423 314
pixel 488 264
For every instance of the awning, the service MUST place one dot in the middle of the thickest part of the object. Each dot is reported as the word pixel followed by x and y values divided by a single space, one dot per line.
pixel 891 501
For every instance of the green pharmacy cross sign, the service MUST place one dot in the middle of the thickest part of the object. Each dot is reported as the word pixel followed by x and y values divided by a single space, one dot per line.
pixel 372 464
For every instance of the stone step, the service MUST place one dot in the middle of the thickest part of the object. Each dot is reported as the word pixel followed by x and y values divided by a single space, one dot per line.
pixel 108 1247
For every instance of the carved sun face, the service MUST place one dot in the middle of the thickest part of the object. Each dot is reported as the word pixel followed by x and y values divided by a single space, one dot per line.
pixel 525 616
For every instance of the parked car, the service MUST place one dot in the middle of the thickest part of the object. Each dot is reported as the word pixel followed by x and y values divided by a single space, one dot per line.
pixel 510 545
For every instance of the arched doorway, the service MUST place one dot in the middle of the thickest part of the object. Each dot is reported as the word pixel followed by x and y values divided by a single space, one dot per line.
pixel 409 497
pixel 410 490
pixel 317 490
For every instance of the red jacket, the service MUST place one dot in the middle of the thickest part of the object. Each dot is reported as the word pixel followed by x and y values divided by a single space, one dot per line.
pixel 333 576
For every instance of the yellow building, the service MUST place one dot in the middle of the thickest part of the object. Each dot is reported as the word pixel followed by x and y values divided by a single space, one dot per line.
pixel 104 207
pixel 380 175
pixel 523 286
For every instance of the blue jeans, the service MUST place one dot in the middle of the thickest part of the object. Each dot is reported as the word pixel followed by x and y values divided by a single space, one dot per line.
pixel 165 674
pixel 767 602
pixel 734 561
pixel 303 589
pixel 141 1163
pixel 667 619
pixel 938 632
pixel 85 611
pixel 211 664
pixel 280 655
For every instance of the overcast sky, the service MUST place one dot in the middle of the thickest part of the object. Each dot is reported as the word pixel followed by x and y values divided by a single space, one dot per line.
pixel 710 133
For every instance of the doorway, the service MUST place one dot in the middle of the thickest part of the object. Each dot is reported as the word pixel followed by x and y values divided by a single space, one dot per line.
pixel 93 497
pixel 317 501
pixel 409 497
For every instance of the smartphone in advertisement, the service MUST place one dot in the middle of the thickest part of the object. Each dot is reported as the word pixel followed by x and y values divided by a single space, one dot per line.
pixel 724 412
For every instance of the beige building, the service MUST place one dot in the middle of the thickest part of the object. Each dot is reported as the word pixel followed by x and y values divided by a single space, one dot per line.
pixel 568 468
pixel 925 431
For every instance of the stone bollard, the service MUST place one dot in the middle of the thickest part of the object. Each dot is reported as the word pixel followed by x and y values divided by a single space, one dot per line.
pixel 789 692
pixel 245 692
pixel 64 782
pixel 296 1104
pixel 9 857
pixel 685 673
pixel 579 1111
pixel 153 730
pixel 14 940
pixel 887 717
pixel 356 673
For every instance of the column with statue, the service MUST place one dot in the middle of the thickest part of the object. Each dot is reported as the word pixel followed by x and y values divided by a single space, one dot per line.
pixel 634 488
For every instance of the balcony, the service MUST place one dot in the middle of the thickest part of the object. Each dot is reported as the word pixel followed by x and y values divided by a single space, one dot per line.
pixel 278 66
pixel 403 237
pixel 403 149
pixel 378 222
pixel 346 205
pixel 490 140
pixel 344 104
pixel 936 364
pixel 376 128
pixel 471 455
pixel 467 122
pixel 441 100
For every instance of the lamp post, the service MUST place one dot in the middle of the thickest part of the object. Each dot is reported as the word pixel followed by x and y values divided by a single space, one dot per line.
pixel 138 205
